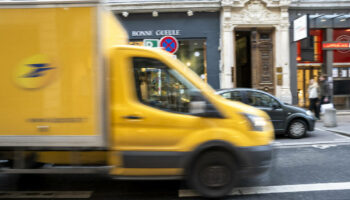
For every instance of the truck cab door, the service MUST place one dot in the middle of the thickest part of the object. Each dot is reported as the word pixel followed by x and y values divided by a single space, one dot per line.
pixel 151 114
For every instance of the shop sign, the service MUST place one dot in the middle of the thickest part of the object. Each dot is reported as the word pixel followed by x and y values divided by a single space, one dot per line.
pixel 151 42
pixel 335 45
pixel 172 32
pixel 169 43
pixel 301 28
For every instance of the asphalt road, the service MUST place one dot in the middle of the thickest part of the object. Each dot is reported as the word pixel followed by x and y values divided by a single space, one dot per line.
pixel 316 168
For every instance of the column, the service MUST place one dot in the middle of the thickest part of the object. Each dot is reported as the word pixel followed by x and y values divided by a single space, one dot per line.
pixel 227 57
pixel 227 48
pixel 329 60
pixel 282 60
pixel 329 54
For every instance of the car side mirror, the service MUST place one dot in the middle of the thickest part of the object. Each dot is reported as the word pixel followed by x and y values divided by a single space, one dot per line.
pixel 275 106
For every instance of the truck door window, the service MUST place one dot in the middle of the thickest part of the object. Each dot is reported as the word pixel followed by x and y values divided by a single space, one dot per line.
pixel 162 87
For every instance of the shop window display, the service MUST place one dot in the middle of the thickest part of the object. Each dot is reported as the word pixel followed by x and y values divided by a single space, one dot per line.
pixel 309 58
pixel 191 52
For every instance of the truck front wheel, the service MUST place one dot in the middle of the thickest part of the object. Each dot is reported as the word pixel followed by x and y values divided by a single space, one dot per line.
pixel 214 174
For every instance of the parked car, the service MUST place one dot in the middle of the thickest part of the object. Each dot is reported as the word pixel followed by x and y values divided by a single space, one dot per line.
pixel 287 119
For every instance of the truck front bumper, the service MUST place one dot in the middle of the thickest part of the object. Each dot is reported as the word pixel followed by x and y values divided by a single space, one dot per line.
pixel 255 160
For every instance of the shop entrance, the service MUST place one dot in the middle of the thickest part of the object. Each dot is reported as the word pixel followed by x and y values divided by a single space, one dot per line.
pixel 254 59
pixel 305 73
pixel 243 60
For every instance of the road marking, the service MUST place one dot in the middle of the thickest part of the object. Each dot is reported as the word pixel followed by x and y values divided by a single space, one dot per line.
pixel 280 145
pixel 278 189
pixel 323 146
pixel 45 194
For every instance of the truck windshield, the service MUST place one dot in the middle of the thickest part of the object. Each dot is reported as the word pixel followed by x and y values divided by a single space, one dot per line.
pixel 159 86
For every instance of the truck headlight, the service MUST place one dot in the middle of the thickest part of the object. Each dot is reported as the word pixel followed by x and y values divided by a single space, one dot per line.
pixel 257 123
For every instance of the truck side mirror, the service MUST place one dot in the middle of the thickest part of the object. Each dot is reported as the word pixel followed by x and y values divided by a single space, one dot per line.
pixel 199 106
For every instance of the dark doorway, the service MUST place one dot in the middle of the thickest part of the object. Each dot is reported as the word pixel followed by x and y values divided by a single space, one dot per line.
pixel 243 59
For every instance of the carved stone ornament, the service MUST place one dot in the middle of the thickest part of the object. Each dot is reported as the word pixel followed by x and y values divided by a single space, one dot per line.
pixel 282 27
pixel 228 26
pixel 256 12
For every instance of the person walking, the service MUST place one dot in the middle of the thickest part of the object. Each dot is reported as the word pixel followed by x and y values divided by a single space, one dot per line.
pixel 313 91
pixel 325 90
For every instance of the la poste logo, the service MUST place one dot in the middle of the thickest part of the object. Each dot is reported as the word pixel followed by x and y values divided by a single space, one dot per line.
pixel 35 72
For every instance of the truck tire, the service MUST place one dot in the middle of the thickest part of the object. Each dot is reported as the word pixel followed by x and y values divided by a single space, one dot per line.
pixel 297 129
pixel 214 174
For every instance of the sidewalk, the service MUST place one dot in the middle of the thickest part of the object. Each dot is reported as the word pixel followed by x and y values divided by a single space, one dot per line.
pixel 343 123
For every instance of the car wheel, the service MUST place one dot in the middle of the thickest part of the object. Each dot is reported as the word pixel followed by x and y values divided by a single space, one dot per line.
pixel 297 129
pixel 214 174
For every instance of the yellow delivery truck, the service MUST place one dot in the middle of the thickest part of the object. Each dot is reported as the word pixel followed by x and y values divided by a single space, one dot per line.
pixel 75 98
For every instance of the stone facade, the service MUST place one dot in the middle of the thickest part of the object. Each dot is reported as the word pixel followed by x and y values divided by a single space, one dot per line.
pixel 254 14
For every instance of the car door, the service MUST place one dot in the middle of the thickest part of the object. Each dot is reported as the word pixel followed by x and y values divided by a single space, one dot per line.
pixel 268 104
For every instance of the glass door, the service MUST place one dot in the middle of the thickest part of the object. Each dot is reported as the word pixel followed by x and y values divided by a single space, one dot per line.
pixel 303 80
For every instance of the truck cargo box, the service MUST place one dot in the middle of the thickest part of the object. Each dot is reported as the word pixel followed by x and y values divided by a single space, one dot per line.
pixel 51 75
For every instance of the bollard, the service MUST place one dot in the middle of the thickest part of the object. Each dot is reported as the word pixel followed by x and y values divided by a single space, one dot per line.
pixel 330 118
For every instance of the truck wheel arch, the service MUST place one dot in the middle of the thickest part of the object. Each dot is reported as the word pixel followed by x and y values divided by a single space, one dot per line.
pixel 215 145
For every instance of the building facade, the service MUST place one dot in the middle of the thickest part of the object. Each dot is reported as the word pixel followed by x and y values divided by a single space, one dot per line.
pixel 241 43
pixel 329 22
pixel 255 47
pixel 195 25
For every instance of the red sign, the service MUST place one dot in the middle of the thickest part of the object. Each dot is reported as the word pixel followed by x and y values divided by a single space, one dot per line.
pixel 341 55
pixel 169 43
pixel 335 45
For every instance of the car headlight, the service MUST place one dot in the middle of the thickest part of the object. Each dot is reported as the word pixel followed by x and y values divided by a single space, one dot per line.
pixel 257 123
pixel 309 113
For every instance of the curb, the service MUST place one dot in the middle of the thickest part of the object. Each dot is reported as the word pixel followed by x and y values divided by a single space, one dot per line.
pixel 343 113
pixel 339 132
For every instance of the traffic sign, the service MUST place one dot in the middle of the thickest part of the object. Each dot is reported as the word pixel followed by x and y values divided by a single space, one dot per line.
pixel 169 43
pixel 151 42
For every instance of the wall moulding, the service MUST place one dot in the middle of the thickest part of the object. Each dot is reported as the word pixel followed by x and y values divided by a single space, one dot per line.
pixel 268 3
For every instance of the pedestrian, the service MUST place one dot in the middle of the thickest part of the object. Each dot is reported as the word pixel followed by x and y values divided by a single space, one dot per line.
pixel 325 90
pixel 314 91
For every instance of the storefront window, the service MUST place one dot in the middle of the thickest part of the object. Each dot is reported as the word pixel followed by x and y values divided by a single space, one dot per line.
pixel 341 70
pixel 310 49
pixel 309 58
pixel 192 52
pixel 305 73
